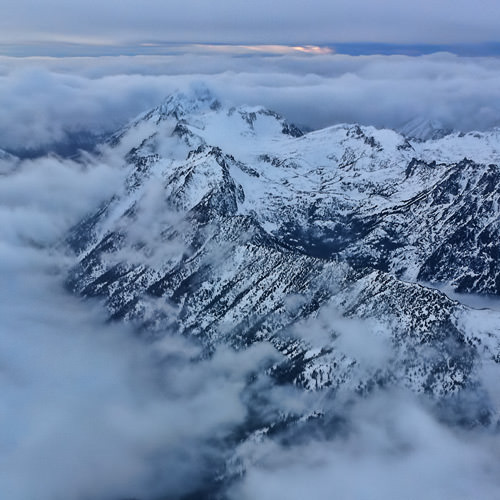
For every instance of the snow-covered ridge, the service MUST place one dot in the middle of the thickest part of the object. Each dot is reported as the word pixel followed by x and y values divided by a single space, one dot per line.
pixel 230 212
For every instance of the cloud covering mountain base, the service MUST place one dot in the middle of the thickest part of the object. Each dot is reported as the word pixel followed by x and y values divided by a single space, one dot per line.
pixel 89 410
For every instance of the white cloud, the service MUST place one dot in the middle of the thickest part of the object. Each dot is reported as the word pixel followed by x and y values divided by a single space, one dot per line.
pixel 88 409
pixel 44 99
pixel 394 449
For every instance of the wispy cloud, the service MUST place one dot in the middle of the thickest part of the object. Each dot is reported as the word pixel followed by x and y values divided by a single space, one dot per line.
pixel 394 449
pixel 89 410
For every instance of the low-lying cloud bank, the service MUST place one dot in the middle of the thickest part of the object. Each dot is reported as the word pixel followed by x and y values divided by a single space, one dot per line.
pixel 90 411
pixel 395 449
pixel 45 99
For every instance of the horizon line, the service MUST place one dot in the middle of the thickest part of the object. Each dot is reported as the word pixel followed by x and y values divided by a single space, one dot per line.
pixel 61 49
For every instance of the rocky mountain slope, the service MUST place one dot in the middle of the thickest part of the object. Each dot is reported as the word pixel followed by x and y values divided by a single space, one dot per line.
pixel 233 228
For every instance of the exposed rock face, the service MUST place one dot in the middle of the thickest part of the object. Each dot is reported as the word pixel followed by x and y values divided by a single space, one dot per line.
pixel 233 227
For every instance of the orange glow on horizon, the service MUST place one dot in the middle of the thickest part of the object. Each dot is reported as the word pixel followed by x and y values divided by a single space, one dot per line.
pixel 266 49
pixel 313 49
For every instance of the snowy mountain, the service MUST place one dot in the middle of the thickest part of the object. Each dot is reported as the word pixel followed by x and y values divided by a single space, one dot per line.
pixel 423 129
pixel 234 228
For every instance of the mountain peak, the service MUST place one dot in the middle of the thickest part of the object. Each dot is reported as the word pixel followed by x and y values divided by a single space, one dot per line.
pixel 198 98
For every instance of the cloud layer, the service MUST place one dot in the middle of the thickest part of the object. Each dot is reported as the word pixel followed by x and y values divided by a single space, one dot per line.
pixel 89 411
pixel 44 100
pixel 395 450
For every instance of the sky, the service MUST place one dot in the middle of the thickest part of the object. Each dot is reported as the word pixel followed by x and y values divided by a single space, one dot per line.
pixel 129 23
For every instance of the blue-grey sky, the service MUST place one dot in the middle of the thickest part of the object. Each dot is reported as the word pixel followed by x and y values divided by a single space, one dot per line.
pixel 102 23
